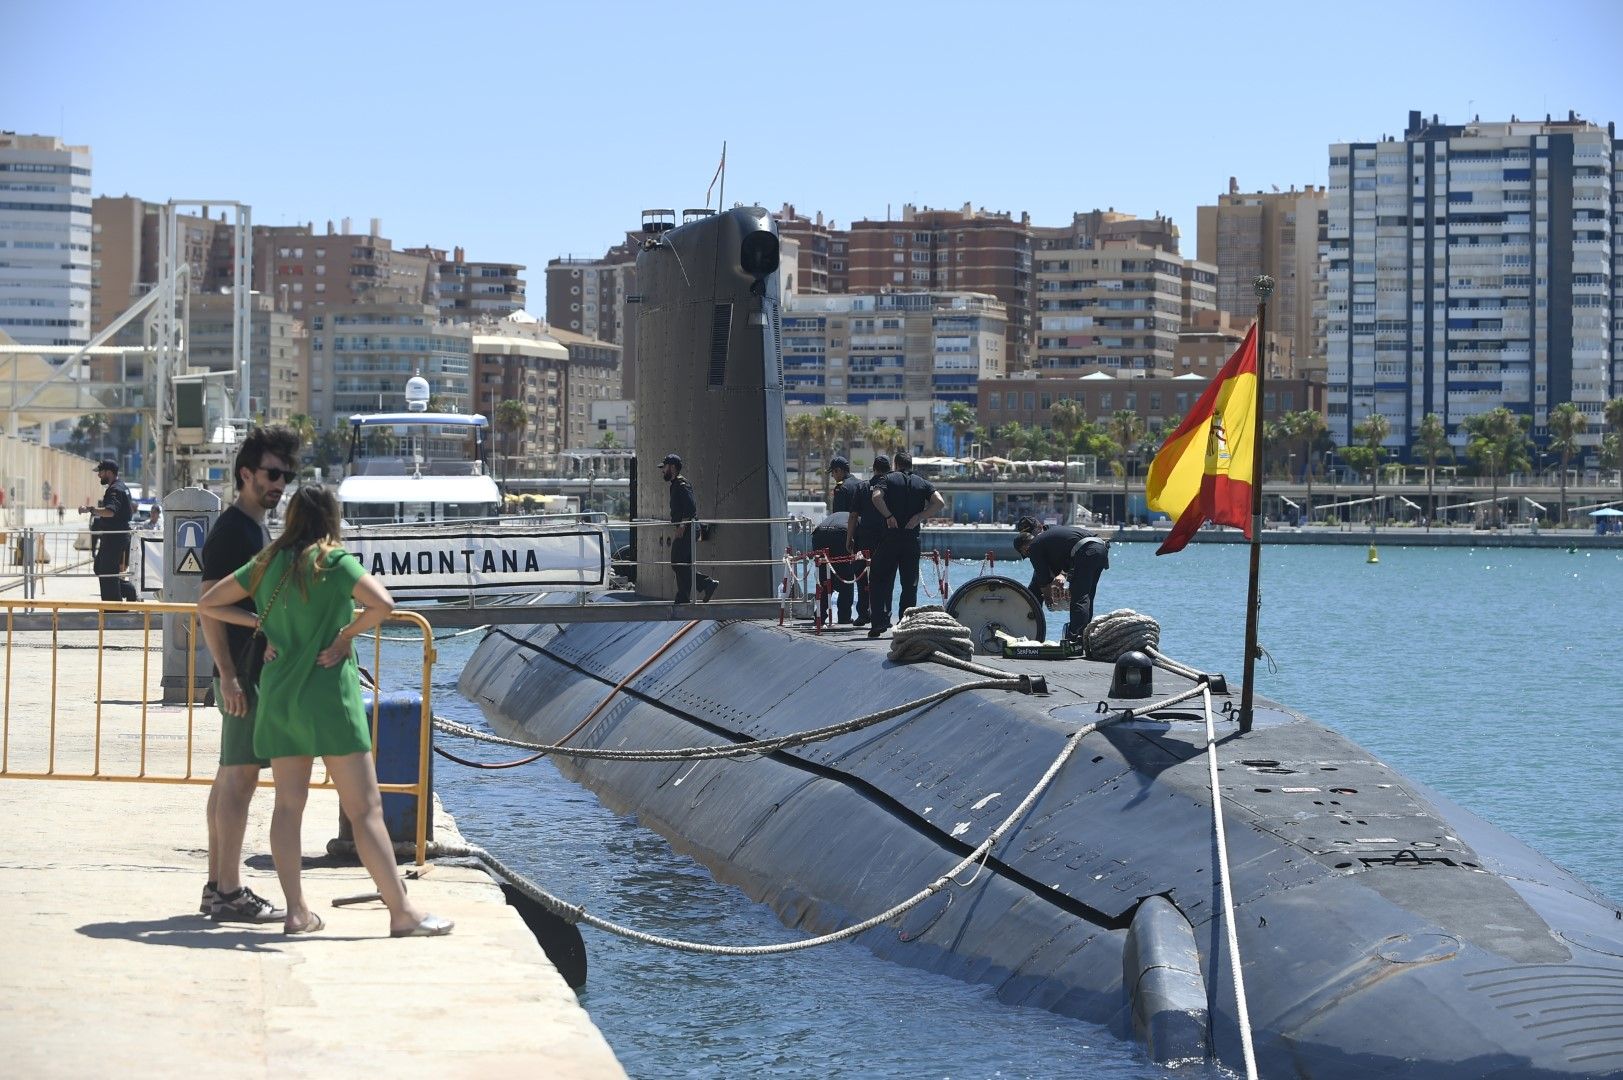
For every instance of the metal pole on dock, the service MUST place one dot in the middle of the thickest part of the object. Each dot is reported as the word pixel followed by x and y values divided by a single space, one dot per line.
pixel 1263 287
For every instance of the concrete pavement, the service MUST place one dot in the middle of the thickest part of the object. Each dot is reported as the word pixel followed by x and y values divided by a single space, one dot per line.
pixel 110 970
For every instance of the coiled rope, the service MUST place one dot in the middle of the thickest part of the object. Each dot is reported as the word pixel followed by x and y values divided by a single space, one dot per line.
pixel 1116 632
pixel 575 913
pixel 927 630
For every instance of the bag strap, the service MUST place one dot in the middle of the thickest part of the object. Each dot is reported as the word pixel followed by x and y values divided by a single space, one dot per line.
pixel 260 616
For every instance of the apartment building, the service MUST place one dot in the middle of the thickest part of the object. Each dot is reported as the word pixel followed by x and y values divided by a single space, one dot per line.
pixel 1473 266
pixel 1284 234
pixel 1115 305
pixel 45 238
pixel 810 270
pixel 472 291
pixel 361 355
pixel 277 352
pixel 596 377
pixel 305 271
pixel 892 346
pixel 967 250
pixel 1208 340
pixel 521 362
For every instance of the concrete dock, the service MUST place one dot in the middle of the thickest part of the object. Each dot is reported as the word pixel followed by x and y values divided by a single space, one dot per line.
pixel 109 969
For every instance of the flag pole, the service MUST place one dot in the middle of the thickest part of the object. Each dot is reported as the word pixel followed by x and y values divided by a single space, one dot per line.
pixel 1263 286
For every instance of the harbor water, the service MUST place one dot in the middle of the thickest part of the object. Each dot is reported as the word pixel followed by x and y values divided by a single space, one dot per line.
pixel 1489 675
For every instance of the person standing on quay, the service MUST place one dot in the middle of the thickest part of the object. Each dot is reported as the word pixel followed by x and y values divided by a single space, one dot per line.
pixel 864 528
pixel 110 529
pixel 905 499
pixel 266 462
pixel 306 587
pixel 684 509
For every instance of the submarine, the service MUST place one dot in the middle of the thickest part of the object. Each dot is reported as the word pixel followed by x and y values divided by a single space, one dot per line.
pixel 1380 929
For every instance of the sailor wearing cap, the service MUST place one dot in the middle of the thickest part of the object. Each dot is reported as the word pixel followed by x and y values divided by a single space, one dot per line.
pixel 110 528
pixel 863 530
pixel 684 508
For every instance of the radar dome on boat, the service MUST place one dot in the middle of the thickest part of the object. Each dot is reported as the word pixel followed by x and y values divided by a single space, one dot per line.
pixel 416 394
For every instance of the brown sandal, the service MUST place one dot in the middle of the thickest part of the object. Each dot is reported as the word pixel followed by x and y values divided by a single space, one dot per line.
pixel 310 927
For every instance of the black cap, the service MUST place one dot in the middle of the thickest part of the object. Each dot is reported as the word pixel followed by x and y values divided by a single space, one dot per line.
pixel 672 459
pixel 838 461
pixel 1026 524
pixel 107 463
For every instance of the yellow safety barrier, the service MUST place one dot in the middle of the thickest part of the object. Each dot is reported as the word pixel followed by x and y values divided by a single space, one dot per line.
pixel 137 738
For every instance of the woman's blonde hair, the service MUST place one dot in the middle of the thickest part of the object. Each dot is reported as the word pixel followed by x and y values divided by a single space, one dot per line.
pixel 313 520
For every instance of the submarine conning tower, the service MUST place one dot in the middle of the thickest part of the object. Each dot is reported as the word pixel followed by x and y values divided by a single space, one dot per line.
pixel 709 387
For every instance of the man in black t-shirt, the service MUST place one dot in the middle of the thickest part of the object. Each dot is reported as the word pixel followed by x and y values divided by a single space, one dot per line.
pixel 844 500
pixel 110 529
pixel 864 528
pixel 266 462
pixel 905 499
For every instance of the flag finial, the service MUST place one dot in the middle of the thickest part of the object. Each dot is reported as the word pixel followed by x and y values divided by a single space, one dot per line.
pixel 1263 287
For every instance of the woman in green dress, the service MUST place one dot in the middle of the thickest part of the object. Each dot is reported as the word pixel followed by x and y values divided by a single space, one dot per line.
pixel 306 588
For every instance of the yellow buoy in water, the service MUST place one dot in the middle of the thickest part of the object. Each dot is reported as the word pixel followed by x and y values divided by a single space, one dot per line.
pixel 1374 556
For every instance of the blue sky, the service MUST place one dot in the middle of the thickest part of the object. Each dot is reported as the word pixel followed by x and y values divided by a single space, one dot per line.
pixel 525 131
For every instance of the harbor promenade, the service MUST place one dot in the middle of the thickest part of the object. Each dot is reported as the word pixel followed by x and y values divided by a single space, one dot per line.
pixel 110 969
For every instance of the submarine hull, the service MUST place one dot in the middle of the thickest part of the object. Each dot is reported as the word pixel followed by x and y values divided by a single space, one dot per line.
pixel 1383 931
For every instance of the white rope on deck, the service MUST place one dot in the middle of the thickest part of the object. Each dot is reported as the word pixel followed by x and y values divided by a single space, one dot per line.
pixel 1241 1013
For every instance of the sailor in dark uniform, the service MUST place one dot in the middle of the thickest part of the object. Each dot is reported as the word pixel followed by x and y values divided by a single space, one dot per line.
pixel 906 499
pixel 684 509
pixel 1076 553
pixel 843 501
pixel 864 528
pixel 110 530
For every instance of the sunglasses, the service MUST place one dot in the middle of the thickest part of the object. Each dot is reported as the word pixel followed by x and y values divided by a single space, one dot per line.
pixel 274 475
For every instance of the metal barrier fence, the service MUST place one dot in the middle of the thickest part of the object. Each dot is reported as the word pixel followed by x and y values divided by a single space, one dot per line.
pixel 30 556
pixel 138 739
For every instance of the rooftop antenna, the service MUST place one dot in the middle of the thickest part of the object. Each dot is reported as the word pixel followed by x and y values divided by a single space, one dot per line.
pixel 721 175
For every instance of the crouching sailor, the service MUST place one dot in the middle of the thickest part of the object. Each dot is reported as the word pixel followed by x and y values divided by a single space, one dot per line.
pixel 1062 551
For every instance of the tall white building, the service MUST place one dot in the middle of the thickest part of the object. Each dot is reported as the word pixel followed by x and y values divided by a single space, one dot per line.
pixel 44 240
pixel 1473 266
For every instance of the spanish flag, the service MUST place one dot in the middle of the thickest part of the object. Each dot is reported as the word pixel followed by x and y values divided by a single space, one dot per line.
pixel 1204 471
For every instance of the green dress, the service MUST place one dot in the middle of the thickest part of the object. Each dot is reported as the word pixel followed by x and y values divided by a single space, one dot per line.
pixel 306 710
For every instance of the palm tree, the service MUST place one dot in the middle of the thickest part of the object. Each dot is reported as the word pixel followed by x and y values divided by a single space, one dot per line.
pixel 1066 418
pixel 511 420
pixel 1614 420
pixel 1126 429
pixel 1498 443
pixel 962 419
pixel 1566 424
pixel 1431 439
pixel 802 431
pixel 303 427
pixel 885 438
pixel 1307 427
pixel 1373 429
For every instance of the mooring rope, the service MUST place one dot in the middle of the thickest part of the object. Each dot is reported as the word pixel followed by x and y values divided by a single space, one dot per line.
pixel 926 630
pixel 1242 1014
pixel 576 913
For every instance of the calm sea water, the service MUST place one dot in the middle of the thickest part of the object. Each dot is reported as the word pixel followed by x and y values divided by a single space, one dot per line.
pixel 1488 674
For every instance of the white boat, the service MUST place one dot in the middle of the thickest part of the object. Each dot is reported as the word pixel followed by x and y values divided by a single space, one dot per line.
pixel 417 467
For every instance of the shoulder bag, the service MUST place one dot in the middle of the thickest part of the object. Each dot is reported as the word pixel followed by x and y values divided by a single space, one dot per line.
pixel 250 658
